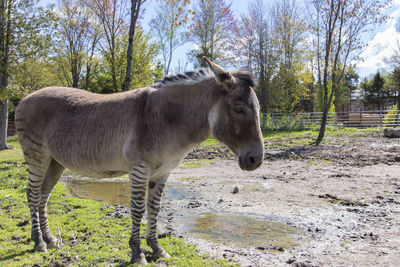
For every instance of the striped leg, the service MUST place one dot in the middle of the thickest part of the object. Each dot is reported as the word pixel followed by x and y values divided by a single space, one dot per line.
pixel 138 178
pixel 155 191
pixel 53 175
pixel 36 177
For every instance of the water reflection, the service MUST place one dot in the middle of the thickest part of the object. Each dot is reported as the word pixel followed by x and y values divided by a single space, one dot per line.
pixel 114 192
pixel 241 230
pixel 235 229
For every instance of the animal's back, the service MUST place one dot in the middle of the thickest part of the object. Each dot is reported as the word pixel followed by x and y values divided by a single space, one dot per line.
pixel 83 131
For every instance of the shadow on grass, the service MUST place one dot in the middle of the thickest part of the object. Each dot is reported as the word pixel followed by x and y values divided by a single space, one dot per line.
pixel 12 256
pixel 125 263
pixel 148 255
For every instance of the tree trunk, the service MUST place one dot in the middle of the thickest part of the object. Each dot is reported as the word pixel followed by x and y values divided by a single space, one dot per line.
pixel 3 109
pixel 75 77
pixel 263 90
pixel 327 105
pixel 263 98
pixel 87 78
pixel 135 8
pixel 114 73
pixel 398 100
pixel 3 124
pixel 114 78
pixel 321 133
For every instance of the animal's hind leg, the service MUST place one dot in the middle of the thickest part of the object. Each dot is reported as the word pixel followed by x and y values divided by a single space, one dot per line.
pixel 51 178
pixel 138 178
pixel 155 191
pixel 37 172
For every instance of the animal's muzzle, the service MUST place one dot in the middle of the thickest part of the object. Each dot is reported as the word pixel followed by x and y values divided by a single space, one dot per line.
pixel 251 160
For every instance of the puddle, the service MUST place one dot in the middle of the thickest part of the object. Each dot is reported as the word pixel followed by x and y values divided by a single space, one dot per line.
pixel 115 192
pixel 240 230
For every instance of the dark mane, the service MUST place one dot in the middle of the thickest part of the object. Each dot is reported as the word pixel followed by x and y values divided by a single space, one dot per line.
pixel 183 78
pixel 245 77
pixel 195 76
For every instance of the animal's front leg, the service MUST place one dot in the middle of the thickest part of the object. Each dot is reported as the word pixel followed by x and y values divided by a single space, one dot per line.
pixel 155 191
pixel 138 178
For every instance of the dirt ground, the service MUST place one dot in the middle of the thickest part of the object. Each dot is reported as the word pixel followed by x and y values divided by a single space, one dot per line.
pixel 343 197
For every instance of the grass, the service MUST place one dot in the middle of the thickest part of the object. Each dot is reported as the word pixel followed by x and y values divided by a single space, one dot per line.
pixel 313 133
pixel 89 236
pixel 319 161
pixel 189 164
pixel 302 137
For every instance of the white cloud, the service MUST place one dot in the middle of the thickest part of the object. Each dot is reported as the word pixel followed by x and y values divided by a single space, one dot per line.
pixel 382 46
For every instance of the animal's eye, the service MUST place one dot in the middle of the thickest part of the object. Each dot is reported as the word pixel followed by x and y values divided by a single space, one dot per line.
pixel 238 110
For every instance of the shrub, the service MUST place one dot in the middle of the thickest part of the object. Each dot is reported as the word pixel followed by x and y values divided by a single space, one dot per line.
pixel 391 119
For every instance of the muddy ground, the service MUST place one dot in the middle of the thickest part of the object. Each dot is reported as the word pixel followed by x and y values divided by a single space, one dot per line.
pixel 343 199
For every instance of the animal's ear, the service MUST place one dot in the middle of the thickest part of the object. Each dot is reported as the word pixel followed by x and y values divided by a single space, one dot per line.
pixel 223 77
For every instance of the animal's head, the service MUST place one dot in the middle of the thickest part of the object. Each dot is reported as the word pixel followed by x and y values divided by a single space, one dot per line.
pixel 235 119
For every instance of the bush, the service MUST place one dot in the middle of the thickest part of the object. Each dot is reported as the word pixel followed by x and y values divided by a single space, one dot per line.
pixel 391 119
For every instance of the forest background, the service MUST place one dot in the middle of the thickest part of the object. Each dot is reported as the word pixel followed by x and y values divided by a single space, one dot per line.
pixel 304 53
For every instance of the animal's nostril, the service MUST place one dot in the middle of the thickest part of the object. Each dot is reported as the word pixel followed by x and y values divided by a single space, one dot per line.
pixel 251 160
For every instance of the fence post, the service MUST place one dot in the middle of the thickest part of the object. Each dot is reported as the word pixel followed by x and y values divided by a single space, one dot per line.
pixel 288 121
pixel 262 120
pixel 265 119
pixel 273 120
pixel 334 120
pixel 302 122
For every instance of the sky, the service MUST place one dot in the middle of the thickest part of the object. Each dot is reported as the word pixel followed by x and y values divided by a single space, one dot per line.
pixel 381 42
pixel 385 40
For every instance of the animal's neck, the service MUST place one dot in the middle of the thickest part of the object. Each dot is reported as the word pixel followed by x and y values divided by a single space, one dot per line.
pixel 186 108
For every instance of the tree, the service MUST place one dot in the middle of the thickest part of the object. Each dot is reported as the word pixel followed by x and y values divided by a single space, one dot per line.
pixel 271 42
pixel 374 91
pixel 135 10
pixel 255 47
pixel 91 61
pixel 172 15
pixel 346 86
pixel 395 84
pixel 110 16
pixel 212 23
pixel 74 36
pixel 143 57
pixel 292 76
pixel 23 34
pixel 31 75
pixel 338 27
pixel 394 77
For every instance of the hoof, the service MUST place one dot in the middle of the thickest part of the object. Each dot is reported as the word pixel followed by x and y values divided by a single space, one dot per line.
pixel 161 253
pixel 41 247
pixel 53 243
pixel 139 259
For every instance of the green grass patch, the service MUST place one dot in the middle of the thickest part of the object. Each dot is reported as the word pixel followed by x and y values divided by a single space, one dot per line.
pixel 313 133
pixel 319 161
pixel 303 137
pixel 210 142
pixel 89 236
pixel 189 164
